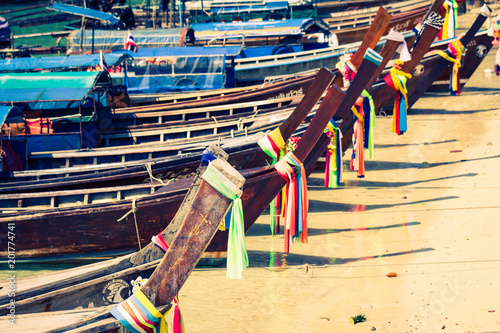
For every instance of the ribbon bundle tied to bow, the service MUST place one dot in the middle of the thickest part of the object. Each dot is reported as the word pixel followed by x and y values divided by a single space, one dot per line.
pixel 333 166
pixel 177 320
pixel 449 12
pixel 138 315
pixel 495 27
pixel 346 68
pixel 454 55
pixel 237 257
pixel 296 203
pixel 357 158
pixel 396 79
pixel 274 145
pixel 369 111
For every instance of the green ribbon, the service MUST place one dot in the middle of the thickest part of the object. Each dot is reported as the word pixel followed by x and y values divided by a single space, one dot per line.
pixel 371 144
pixel 237 256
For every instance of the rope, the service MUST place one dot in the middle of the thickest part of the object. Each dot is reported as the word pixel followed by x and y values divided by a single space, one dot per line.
pixel 150 172
pixel 133 211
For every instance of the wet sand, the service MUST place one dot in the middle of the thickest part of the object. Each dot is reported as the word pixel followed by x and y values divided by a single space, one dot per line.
pixel 427 210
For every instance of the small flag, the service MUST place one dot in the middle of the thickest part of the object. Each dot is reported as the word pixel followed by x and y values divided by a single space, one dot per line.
pixel 130 43
pixel 104 64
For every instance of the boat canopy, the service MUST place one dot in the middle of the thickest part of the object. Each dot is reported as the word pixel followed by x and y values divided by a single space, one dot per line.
pixel 50 90
pixel 175 69
pixel 205 4
pixel 80 41
pixel 72 62
pixel 294 27
pixel 248 8
pixel 86 12
pixel 193 51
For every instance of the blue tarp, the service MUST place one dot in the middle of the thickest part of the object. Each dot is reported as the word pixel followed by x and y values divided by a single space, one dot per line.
pixel 293 27
pixel 80 11
pixel 249 8
pixel 65 62
pixel 41 87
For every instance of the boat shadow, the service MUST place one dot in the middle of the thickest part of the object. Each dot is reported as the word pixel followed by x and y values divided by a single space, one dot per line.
pixel 445 111
pixel 394 145
pixel 280 260
pixel 319 183
pixel 319 206
pixel 264 229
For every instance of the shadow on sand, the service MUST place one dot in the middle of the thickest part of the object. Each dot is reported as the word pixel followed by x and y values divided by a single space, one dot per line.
pixel 279 260
pixel 264 229
pixel 318 206
pixel 361 182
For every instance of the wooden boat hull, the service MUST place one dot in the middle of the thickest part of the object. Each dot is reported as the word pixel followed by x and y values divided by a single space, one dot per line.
pixel 477 49
pixel 424 76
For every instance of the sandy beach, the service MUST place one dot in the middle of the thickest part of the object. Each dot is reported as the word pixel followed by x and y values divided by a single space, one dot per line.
pixel 427 210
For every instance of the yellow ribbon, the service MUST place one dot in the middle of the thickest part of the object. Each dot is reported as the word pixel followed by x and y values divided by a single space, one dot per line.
pixel 457 61
pixel 150 307
pixel 277 138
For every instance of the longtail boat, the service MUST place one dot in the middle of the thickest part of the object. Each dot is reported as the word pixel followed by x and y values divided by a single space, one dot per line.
pixel 257 194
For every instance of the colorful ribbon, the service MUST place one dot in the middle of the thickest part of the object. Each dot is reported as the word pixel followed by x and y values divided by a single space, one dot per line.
pixel 333 167
pixel 449 12
pixel 495 25
pixel 296 202
pixel 207 156
pixel 454 54
pixel 396 79
pixel 433 20
pixel 369 110
pixel 160 241
pixel 357 157
pixel 346 68
pixel 138 315
pixel 177 320
pixel 237 257
pixel 274 145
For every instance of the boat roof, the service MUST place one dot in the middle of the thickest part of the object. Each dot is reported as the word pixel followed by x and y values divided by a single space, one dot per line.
pixel 261 28
pixel 107 40
pixel 248 7
pixel 191 51
pixel 62 63
pixel 86 12
pixel 45 87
